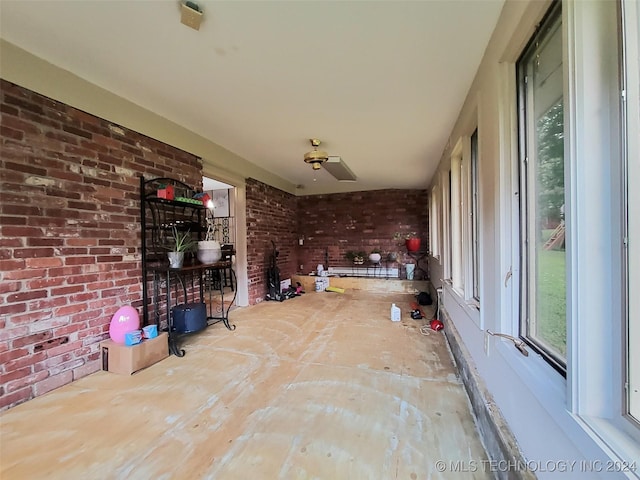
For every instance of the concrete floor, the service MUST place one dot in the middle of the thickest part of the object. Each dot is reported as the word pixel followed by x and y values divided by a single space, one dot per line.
pixel 320 386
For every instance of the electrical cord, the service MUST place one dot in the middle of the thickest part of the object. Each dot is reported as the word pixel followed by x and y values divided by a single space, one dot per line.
pixel 425 330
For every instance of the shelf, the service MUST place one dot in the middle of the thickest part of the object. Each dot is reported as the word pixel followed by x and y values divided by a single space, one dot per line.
pixel 163 287
pixel 174 203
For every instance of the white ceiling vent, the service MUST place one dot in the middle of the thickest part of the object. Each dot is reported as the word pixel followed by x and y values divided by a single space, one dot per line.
pixel 336 167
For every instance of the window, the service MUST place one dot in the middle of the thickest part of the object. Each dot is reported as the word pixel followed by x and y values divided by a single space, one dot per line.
pixel 631 255
pixel 446 224
pixel 542 192
pixel 475 221
pixel 455 223
pixel 434 224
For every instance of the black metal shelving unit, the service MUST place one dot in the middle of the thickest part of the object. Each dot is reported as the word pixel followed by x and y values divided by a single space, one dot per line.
pixel 196 281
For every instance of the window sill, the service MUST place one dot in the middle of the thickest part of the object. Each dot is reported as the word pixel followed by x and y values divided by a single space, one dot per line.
pixel 470 310
pixel 623 450
pixel 473 304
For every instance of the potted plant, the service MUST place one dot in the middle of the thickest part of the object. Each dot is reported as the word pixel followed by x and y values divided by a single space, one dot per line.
pixel 411 240
pixel 375 256
pixel 356 257
pixel 209 249
pixel 182 242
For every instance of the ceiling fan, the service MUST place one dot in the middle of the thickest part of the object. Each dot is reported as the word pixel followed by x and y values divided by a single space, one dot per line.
pixel 332 164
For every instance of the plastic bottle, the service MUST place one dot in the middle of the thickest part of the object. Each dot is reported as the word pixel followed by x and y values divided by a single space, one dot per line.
pixel 395 313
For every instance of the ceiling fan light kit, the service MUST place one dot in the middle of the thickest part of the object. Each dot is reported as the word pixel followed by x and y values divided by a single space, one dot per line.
pixel 315 157
pixel 334 165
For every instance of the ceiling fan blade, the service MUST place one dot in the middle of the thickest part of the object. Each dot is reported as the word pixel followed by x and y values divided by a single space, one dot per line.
pixel 336 167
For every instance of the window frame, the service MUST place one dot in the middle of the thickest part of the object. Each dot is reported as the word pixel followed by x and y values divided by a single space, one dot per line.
pixel 434 222
pixel 526 124
pixel 630 122
pixel 474 217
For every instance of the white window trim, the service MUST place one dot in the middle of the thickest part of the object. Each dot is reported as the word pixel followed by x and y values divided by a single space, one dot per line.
pixel 473 236
pixel 434 224
pixel 562 398
pixel 631 19
pixel 457 207
pixel 589 394
pixel 446 237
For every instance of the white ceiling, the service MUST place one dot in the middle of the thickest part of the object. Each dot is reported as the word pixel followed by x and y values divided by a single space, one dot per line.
pixel 379 82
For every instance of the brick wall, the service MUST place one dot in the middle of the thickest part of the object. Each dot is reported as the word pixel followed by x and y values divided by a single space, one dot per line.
pixel 333 224
pixel 330 225
pixel 271 215
pixel 69 235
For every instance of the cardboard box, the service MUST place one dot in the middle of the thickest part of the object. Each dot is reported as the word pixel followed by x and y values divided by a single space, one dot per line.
pixel 126 360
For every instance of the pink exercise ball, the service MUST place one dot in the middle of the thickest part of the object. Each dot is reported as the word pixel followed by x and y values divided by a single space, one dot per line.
pixel 125 320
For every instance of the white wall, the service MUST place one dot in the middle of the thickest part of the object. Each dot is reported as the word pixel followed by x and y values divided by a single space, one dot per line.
pixel 553 419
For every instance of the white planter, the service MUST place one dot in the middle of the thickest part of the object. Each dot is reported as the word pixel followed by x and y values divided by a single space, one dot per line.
pixel 209 251
pixel 375 257
pixel 175 259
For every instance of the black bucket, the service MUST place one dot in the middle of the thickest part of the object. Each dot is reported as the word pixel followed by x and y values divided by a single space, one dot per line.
pixel 189 317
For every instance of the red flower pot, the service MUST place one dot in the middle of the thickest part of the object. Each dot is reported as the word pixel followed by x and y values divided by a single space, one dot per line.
pixel 412 244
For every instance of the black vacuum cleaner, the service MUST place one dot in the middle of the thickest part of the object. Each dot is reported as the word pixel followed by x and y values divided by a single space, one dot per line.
pixel 273 276
pixel 273 280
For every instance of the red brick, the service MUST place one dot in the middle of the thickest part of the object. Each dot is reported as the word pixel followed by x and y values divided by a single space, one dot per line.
pixel 77 131
pixel 24 296
pixel 11 133
pixel 15 374
pixel 16 167
pixel 12 308
pixel 63 367
pixel 67 272
pixel 13 354
pixel 7 287
pixel 33 252
pixel 69 309
pixel 9 265
pixel 43 262
pixel 83 297
pixel 87 369
pixel 79 260
pixel 18 124
pixel 45 242
pixel 61 137
pixel 9 109
pixel 81 242
pixel 63 348
pixel 53 382
pixel 29 318
pixel 18 231
pixel 8 220
pixel 24 361
pixel 94 317
pixel 26 381
pixel 15 398
pixel 31 339
pixel 45 283
pixel 67 251
pixel 12 333
pixel 48 303
pixel 46 221
pixel 67 290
